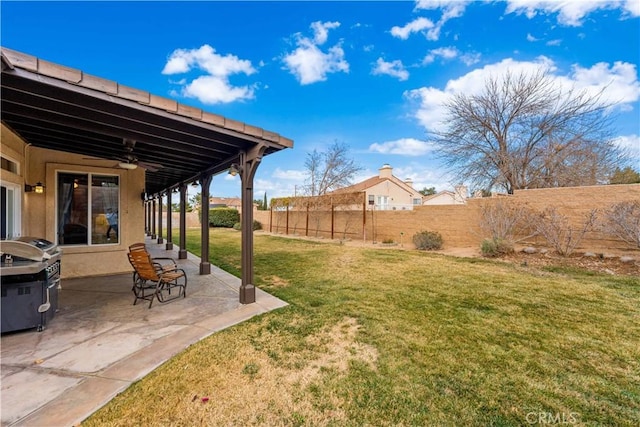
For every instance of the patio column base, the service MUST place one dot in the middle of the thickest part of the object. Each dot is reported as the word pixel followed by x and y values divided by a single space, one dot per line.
pixel 153 236
pixel 169 246
pixel 205 268
pixel 182 254
pixel 160 240
pixel 247 294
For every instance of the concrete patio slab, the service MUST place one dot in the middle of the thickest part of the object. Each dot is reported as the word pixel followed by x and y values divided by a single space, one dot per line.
pixel 99 343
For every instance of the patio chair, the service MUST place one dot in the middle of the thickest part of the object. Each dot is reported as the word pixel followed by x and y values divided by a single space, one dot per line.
pixel 156 277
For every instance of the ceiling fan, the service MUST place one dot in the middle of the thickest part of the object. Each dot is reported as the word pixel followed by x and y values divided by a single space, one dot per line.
pixel 130 162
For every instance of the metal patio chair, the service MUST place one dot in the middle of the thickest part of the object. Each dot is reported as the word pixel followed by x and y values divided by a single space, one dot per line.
pixel 155 277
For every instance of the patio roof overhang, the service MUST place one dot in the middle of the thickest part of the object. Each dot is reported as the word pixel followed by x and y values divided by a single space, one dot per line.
pixel 61 108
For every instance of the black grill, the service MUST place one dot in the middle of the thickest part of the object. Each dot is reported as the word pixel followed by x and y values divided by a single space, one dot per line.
pixel 30 281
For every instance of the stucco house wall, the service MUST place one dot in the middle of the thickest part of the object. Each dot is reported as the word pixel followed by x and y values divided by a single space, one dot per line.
pixel 38 211
pixel 388 191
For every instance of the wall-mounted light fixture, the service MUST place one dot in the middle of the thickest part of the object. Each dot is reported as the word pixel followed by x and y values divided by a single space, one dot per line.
pixel 235 169
pixel 38 188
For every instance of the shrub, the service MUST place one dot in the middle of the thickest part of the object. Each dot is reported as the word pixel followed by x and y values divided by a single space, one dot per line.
pixel 557 230
pixel 503 220
pixel 622 220
pixel 427 240
pixel 256 225
pixel 223 217
pixel 496 247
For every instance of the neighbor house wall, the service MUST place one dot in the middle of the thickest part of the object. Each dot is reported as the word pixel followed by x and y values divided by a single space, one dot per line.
pixel 460 224
pixel 40 211
pixel 396 194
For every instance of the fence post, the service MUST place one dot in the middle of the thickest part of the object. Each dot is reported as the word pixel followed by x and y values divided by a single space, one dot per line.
pixel 332 218
pixel 364 216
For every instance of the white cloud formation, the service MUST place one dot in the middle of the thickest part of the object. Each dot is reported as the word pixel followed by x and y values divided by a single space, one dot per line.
pixel 393 68
pixel 321 31
pixel 618 81
pixel 531 38
pixel 571 13
pixel 441 52
pixel 415 26
pixel 448 53
pixel 630 144
pixel 555 42
pixel 308 63
pixel 403 147
pixel 214 87
pixel 470 58
pixel 450 9
pixel 290 174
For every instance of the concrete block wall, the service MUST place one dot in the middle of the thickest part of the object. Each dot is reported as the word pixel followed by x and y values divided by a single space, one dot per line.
pixel 458 224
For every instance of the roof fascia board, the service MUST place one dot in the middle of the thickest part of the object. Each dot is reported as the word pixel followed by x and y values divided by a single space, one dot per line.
pixel 187 121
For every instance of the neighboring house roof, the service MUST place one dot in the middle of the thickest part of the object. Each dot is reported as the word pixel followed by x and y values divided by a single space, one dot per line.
pixel 225 201
pixel 372 182
pixel 61 108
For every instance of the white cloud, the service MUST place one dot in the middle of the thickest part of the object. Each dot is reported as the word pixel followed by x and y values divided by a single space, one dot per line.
pixel 618 81
pixel 630 144
pixel 290 174
pixel 450 9
pixel 403 147
pixel 570 13
pixel 442 52
pixel 531 38
pixel 556 42
pixel 415 26
pixel 425 176
pixel 470 58
pixel 394 69
pixel 321 31
pixel 214 87
pixel 308 63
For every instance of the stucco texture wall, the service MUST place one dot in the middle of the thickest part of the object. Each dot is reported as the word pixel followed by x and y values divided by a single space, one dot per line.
pixel 39 210
pixel 458 224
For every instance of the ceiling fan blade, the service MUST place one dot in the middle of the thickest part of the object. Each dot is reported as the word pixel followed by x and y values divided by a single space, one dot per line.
pixel 152 167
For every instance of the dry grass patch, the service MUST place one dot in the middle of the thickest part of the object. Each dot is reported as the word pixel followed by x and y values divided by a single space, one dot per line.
pixel 260 375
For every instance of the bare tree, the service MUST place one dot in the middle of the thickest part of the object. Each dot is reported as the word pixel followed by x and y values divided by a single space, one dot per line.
pixel 329 170
pixel 526 131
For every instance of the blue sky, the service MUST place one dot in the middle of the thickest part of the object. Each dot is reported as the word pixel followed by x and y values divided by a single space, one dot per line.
pixel 368 74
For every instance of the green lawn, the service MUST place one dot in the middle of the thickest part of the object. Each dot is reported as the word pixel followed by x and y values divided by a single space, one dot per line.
pixel 389 337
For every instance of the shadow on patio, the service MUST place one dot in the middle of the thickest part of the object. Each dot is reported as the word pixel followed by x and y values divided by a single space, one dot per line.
pixel 99 342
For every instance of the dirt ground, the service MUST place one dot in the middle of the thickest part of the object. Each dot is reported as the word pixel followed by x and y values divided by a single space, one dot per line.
pixel 607 263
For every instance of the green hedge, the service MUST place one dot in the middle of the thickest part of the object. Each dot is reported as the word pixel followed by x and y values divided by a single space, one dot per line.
pixel 223 217
pixel 256 225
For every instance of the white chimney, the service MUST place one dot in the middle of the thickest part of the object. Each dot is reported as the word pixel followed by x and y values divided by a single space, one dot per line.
pixel 385 171
pixel 409 182
pixel 460 193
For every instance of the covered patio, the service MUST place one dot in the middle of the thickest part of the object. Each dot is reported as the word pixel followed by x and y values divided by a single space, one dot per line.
pixel 60 123
pixel 99 343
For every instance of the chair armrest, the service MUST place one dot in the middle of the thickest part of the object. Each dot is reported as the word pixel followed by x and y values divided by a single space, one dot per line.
pixel 165 264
